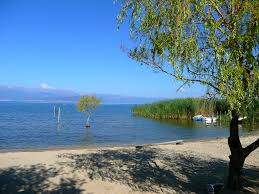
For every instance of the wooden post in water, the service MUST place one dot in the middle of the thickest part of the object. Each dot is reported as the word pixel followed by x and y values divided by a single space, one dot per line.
pixel 58 114
pixel 54 111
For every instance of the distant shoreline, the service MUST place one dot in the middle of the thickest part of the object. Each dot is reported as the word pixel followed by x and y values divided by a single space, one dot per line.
pixel 62 102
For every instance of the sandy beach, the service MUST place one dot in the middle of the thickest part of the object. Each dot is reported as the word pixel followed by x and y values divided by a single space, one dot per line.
pixel 168 168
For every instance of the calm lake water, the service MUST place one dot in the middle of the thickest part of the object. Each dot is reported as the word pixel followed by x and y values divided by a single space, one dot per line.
pixel 32 125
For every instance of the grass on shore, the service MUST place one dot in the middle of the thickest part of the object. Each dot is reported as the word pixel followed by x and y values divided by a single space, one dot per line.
pixel 181 108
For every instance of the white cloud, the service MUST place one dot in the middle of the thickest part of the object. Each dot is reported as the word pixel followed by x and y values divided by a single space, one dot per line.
pixel 182 90
pixel 46 86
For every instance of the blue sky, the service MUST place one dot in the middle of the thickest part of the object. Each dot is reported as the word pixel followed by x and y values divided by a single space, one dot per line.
pixel 74 44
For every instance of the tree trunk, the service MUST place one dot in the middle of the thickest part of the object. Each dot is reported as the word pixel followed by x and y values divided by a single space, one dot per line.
pixel 236 158
pixel 238 155
pixel 87 121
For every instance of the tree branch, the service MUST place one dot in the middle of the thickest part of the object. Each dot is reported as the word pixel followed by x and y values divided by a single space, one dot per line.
pixel 220 15
pixel 217 10
pixel 248 149
pixel 203 74
pixel 175 76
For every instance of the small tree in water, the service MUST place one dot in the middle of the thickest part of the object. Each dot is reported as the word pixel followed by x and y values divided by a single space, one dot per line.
pixel 87 104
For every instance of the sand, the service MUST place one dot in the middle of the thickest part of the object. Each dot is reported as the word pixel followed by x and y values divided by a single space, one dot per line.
pixel 169 168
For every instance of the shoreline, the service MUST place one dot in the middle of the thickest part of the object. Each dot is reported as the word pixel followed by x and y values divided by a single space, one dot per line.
pixel 154 168
pixel 102 147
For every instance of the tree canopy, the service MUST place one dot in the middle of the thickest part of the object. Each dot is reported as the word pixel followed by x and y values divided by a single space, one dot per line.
pixel 87 104
pixel 212 42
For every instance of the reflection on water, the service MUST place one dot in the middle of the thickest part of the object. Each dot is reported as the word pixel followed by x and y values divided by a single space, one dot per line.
pixel 220 124
pixel 87 137
pixel 33 125
pixel 188 123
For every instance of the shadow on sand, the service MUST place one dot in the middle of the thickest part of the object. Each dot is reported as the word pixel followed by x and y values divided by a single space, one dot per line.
pixel 34 180
pixel 150 170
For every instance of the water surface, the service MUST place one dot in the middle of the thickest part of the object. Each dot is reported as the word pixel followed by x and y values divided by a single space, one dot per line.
pixel 33 125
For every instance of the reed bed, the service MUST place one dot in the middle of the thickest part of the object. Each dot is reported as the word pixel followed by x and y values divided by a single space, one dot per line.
pixel 181 108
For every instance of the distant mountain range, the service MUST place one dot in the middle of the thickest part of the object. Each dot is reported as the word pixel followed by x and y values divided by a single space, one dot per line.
pixel 44 94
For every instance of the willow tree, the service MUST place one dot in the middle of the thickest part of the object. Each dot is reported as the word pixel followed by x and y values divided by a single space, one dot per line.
pixel 212 42
pixel 87 104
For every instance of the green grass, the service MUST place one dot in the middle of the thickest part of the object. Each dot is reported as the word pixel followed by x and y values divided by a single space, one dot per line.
pixel 181 108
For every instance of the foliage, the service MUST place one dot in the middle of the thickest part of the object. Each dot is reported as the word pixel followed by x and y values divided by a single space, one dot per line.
pixel 211 42
pixel 87 104
pixel 181 108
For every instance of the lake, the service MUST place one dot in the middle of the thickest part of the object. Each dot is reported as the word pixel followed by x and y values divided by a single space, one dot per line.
pixel 33 125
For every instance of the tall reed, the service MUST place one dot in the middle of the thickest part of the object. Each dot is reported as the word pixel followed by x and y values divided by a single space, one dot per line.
pixel 181 108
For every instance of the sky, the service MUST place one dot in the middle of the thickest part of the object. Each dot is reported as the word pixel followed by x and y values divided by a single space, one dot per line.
pixel 75 45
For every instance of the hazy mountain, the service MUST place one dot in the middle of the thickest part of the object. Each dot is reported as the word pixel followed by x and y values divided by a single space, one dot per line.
pixel 34 94
pixel 48 94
